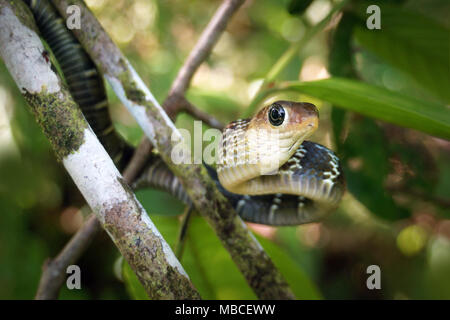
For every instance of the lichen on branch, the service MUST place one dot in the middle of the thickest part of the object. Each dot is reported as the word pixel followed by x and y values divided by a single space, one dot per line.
pixel 60 119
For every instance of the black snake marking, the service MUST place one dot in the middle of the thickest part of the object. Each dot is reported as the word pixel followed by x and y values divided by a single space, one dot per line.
pixel 313 162
pixel 82 77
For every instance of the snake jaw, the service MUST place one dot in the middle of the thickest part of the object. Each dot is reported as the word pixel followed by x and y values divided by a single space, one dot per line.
pixel 302 121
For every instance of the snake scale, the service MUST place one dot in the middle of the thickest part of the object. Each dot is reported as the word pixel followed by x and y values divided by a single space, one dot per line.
pixel 266 169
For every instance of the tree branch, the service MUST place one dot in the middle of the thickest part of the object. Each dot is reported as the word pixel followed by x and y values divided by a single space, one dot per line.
pixel 244 249
pixel 204 45
pixel 53 274
pixel 54 270
pixel 176 103
pixel 203 116
pixel 86 161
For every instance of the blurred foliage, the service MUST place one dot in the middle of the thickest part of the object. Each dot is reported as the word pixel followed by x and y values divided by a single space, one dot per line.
pixel 378 103
pixel 396 214
pixel 413 43
pixel 298 6
pixel 212 271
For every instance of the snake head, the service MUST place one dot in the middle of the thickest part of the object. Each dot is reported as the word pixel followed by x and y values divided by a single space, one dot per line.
pixel 281 127
pixel 261 145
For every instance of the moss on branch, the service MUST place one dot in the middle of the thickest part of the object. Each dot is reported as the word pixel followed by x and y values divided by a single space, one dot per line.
pixel 60 118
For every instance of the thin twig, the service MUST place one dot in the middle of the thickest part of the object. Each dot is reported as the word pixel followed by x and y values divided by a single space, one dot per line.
pixel 54 270
pixel 179 248
pixel 175 103
pixel 416 193
pixel 137 161
pixel 204 45
pixel 203 116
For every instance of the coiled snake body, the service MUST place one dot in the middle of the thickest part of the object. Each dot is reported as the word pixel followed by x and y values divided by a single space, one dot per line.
pixel 266 169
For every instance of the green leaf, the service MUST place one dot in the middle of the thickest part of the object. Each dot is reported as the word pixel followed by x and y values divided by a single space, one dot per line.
pixel 300 283
pixel 412 43
pixel 378 103
pixel 367 179
pixel 207 263
pixel 340 59
pixel 340 64
pixel 216 267
pixel 210 266
pixel 214 273
pixel 160 202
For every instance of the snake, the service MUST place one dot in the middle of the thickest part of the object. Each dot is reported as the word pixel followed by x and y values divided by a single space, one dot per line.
pixel 266 169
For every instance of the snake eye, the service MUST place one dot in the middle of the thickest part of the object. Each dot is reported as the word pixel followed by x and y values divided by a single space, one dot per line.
pixel 276 114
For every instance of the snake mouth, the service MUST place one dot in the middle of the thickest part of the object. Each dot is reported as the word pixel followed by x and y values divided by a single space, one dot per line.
pixel 312 123
pixel 304 129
